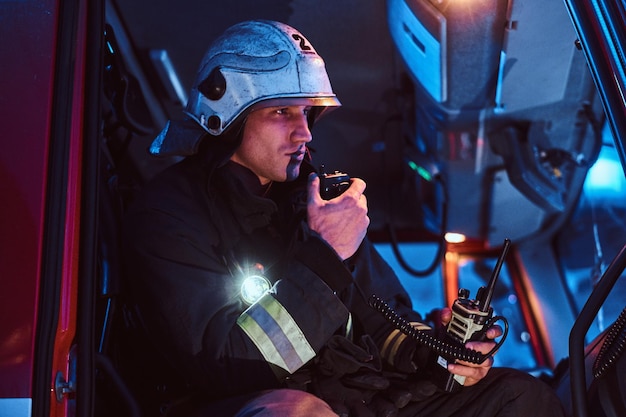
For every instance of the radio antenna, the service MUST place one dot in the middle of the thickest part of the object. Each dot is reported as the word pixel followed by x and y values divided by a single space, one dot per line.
pixel 485 301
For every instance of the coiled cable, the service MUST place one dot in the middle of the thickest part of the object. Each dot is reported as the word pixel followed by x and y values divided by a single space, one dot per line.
pixel 450 347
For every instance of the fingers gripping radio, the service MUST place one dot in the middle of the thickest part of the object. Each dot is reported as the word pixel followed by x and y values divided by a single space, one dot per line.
pixel 470 321
pixel 469 317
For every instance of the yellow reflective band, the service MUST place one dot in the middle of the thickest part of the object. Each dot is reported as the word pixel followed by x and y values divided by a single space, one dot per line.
pixel 395 339
pixel 420 326
pixel 276 334
pixel 349 327
pixel 391 345
pixel 260 339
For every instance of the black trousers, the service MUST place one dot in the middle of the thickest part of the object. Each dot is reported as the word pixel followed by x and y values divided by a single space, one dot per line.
pixel 503 392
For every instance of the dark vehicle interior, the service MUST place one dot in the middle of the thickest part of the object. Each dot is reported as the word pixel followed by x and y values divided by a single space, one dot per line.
pixel 488 119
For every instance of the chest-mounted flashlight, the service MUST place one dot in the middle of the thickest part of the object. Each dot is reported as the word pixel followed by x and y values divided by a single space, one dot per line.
pixel 254 284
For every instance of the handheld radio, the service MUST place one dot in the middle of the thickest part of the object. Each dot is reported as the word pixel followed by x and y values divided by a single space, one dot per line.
pixel 470 321
pixel 332 185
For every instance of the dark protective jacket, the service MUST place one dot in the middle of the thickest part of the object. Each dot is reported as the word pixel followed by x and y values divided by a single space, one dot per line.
pixel 191 233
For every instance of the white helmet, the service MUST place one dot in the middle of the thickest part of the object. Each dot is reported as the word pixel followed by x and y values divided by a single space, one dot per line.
pixel 252 64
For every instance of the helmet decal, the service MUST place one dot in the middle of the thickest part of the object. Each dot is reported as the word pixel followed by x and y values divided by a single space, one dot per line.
pixel 303 42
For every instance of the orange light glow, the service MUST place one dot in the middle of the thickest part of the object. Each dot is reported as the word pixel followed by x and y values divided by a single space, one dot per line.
pixel 454 237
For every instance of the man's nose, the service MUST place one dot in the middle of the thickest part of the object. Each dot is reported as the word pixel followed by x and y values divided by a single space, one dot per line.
pixel 302 132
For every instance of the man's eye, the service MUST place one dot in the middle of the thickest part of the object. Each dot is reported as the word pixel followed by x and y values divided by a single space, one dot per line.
pixel 282 111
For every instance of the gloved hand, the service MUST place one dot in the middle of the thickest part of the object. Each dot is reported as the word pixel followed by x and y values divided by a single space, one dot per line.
pixel 403 389
pixel 348 375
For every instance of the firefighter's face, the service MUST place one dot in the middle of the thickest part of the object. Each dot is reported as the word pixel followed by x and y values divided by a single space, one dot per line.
pixel 274 142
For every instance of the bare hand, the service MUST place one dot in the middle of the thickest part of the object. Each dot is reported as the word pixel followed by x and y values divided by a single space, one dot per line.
pixel 473 372
pixel 342 222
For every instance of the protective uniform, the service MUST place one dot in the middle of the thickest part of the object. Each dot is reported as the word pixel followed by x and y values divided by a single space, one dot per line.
pixel 191 241
pixel 199 228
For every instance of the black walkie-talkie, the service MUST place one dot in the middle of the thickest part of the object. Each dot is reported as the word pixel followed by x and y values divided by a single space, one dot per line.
pixel 470 321
pixel 332 185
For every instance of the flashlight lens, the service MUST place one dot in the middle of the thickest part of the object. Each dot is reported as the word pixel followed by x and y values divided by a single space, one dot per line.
pixel 253 288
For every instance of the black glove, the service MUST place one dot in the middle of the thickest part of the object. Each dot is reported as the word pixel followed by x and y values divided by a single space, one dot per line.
pixel 403 389
pixel 348 375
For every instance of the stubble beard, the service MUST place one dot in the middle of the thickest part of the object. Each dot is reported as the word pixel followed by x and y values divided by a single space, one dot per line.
pixel 292 170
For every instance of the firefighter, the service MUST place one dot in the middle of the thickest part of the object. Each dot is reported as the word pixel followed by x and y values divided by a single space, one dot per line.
pixel 247 291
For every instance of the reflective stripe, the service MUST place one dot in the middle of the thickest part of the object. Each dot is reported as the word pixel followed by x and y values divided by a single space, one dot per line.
pixel 276 334
pixel 395 339
pixel 391 345
pixel 349 327
pixel 420 326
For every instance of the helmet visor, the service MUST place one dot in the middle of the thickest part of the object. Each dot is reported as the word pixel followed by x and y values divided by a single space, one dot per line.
pixel 321 105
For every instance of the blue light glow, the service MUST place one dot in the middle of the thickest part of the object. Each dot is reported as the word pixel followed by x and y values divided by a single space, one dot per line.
pixel 606 177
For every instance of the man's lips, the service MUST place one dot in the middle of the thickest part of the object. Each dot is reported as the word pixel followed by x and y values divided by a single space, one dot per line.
pixel 298 155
